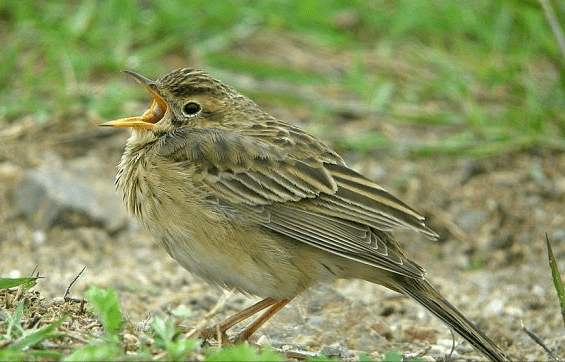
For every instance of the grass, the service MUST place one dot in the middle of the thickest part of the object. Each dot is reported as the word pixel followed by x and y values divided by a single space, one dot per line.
pixel 25 282
pixel 488 70
pixel 18 341
pixel 111 346
pixel 560 289
pixel 162 341
pixel 556 277
pixel 26 344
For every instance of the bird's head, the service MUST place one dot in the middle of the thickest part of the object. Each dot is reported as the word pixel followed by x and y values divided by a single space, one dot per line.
pixel 188 97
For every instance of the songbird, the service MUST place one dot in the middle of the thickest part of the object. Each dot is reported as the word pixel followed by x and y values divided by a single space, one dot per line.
pixel 251 203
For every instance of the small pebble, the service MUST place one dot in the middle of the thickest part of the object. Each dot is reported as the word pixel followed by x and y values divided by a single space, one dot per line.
pixel 413 356
pixel 9 171
pixel 263 340
pixel 436 352
pixel 495 307
pixel 130 339
pixel 335 350
pixel 558 235
pixel 560 185
pixel 514 311
pixel 58 300
pixel 446 343
pixel 38 237
pixel 538 290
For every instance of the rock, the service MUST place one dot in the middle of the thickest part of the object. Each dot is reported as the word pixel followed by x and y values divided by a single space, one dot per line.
pixel 9 172
pixel 263 340
pixel 495 307
pixel 560 186
pixel 69 196
pixel 471 169
pixel 3 315
pixel 440 352
pixel 558 236
pixel 58 300
pixel 471 220
pixel 39 237
pixel 335 350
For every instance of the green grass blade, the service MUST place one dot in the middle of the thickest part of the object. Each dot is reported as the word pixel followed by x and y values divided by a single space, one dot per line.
pixel 38 336
pixel 243 352
pixel 96 352
pixel 107 305
pixel 556 276
pixel 27 282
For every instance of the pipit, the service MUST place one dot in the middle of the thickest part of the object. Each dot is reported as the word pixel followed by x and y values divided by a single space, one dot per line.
pixel 254 204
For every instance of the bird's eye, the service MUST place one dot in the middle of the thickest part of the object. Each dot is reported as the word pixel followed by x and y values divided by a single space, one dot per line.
pixel 191 108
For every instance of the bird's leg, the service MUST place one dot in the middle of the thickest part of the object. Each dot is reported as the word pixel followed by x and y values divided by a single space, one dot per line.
pixel 250 329
pixel 240 316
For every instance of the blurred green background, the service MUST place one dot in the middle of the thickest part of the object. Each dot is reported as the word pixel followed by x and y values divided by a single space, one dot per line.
pixel 484 76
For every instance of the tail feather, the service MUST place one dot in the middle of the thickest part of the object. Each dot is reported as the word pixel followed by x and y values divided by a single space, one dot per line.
pixel 425 294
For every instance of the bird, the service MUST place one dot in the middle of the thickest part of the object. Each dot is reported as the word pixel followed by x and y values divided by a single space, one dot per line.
pixel 254 204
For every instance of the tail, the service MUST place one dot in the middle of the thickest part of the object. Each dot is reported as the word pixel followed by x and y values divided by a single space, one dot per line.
pixel 425 294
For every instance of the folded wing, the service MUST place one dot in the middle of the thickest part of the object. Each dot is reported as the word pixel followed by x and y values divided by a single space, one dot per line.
pixel 319 202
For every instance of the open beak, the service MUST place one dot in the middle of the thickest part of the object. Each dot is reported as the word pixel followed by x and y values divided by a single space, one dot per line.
pixel 153 115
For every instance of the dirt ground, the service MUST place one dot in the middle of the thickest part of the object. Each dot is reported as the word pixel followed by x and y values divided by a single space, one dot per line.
pixel 491 260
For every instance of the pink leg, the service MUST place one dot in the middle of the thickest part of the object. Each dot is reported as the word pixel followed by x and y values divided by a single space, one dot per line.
pixel 241 316
pixel 250 329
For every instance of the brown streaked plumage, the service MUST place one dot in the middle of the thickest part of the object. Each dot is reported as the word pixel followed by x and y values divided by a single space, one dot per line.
pixel 251 203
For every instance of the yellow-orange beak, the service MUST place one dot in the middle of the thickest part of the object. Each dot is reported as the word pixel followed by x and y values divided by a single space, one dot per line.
pixel 153 115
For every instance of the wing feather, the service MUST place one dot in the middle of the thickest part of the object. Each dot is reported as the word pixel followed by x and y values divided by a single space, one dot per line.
pixel 320 202
pixel 345 238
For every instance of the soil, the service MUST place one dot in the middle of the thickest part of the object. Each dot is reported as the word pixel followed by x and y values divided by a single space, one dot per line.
pixel 493 216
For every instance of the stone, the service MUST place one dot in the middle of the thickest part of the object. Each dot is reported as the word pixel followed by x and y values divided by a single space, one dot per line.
pixel 66 195
pixel 471 220
pixel 335 350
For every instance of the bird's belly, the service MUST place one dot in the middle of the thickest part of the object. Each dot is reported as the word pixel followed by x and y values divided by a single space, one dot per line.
pixel 225 248
pixel 242 261
pixel 226 268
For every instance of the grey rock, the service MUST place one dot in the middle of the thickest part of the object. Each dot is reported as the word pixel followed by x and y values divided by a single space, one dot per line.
pixel 67 195
pixel 335 350
pixel 495 307
pixel 471 220
pixel 3 315
pixel 558 235
pixel 39 237
pixel 441 352
pixel 316 321
pixel 471 169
